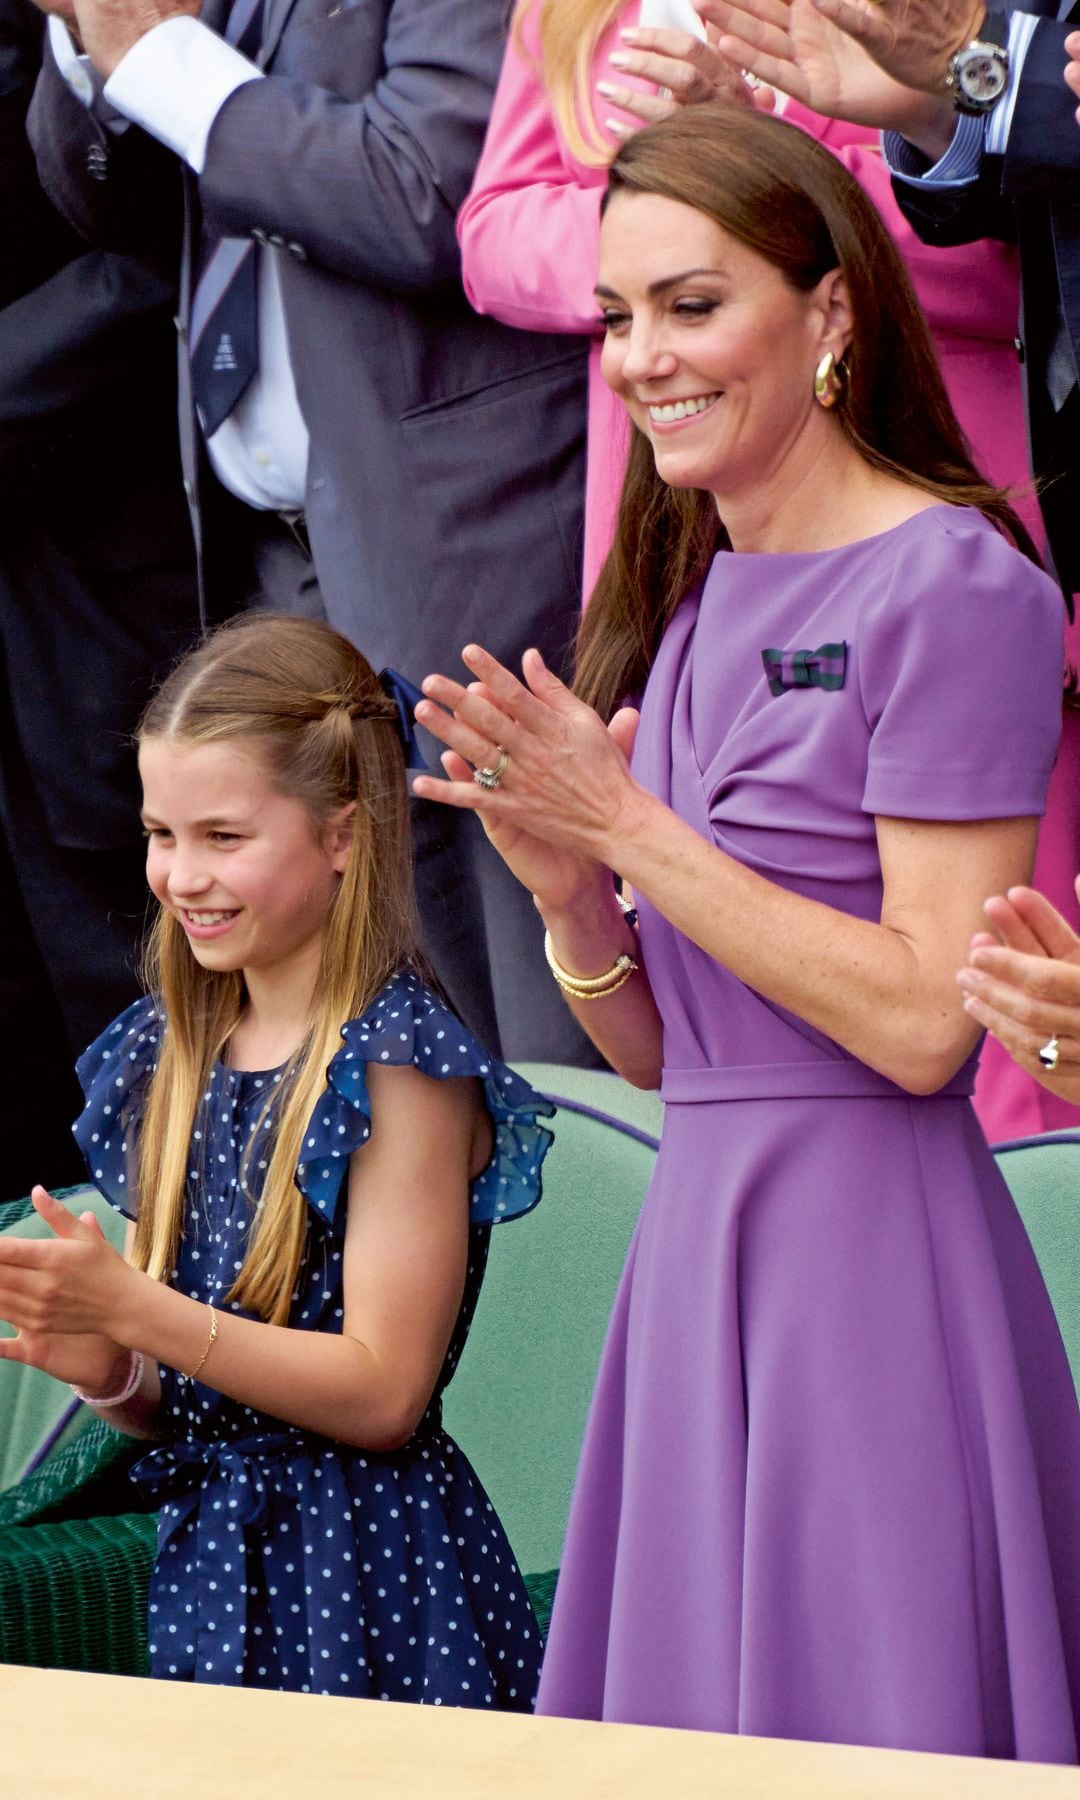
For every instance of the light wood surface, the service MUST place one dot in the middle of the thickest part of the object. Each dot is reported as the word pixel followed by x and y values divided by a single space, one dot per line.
pixel 102 1737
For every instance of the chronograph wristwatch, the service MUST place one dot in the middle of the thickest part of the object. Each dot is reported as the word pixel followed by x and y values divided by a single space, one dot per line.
pixel 978 74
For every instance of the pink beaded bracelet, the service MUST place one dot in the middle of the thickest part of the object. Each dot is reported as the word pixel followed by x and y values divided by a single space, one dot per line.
pixel 132 1380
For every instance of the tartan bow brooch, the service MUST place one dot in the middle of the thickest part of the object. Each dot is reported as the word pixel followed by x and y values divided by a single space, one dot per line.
pixel 823 667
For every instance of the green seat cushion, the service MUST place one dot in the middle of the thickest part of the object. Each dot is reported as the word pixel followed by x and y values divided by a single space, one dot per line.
pixel 1044 1177
pixel 517 1405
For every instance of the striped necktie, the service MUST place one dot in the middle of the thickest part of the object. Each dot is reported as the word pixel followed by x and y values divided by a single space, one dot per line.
pixel 223 335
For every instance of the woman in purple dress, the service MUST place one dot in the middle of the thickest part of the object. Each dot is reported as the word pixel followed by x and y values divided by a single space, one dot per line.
pixel 830 1486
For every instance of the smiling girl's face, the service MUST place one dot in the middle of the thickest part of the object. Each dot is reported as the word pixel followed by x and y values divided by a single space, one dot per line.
pixel 711 350
pixel 246 870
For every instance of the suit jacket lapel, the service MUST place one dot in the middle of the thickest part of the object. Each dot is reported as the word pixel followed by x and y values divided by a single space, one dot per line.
pixel 277 13
pixel 215 14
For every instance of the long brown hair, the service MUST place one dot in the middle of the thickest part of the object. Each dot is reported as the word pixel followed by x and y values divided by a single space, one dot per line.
pixel 776 191
pixel 311 705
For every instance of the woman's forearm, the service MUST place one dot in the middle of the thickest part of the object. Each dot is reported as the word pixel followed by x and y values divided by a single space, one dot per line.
pixel 867 985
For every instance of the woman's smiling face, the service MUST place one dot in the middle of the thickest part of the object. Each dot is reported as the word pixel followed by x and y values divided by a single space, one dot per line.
pixel 711 350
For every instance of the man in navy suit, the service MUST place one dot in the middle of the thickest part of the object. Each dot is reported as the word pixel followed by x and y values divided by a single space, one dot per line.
pixel 391 459
pixel 97 598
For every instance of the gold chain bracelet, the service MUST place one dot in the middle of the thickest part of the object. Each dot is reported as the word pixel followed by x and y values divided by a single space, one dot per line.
pixel 209 1346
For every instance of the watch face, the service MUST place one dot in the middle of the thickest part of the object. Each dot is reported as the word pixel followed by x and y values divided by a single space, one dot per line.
pixel 981 75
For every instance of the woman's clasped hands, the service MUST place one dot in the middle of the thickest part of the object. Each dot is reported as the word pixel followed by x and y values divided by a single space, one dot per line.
pixel 64 1296
pixel 565 798
pixel 1023 985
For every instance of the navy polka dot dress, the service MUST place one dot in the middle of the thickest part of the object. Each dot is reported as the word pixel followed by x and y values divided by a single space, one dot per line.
pixel 286 1560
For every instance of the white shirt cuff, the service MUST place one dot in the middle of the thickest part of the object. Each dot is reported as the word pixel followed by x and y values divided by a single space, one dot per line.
pixel 956 168
pixel 175 81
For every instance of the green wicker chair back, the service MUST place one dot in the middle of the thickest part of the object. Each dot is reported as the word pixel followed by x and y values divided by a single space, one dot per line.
pixel 518 1403
pixel 1043 1174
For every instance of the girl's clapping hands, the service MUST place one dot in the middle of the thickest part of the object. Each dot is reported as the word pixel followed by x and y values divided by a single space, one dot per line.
pixel 60 1293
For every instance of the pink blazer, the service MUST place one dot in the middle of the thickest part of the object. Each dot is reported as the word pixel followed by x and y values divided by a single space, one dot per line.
pixel 529 232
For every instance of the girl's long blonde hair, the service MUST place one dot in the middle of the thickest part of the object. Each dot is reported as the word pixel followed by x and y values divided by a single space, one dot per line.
pixel 328 732
pixel 570 31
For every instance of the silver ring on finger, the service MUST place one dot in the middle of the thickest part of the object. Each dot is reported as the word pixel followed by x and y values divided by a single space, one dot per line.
pixel 490 778
pixel 1049 1053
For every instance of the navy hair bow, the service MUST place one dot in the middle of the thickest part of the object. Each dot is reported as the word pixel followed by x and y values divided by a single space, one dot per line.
pixel 405 698
pixel 823 667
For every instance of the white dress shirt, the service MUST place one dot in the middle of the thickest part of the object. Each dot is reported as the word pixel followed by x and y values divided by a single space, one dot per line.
pixel 173 83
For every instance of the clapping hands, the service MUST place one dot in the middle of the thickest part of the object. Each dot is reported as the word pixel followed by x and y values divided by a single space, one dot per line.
pixel 564 798
pixel 1023 985
pixel 1072 67
pixel 60 1293
pixel 824 54
pixel 687 71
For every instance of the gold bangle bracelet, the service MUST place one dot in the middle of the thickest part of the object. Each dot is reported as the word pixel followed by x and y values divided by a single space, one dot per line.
pixel 209 1346
pixel 587 987
pixel 599 993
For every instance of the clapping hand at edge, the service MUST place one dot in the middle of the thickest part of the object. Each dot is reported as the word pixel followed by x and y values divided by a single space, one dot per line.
pixel 1022 982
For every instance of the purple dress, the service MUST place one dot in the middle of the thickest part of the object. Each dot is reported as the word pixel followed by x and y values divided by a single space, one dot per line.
pixel 830 1486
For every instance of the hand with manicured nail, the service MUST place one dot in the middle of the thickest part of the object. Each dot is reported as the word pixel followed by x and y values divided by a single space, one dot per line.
pixel 810 53
pixel 1023 984
pixel 687 71
pixel 556 815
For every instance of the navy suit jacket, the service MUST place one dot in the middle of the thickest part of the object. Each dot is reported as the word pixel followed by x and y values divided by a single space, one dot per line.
pixel 1030 196
pixel 97 573
pixel 445 480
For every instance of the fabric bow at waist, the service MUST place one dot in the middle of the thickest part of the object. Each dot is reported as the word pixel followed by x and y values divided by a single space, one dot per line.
pixel 224 1484
pixel 822 1080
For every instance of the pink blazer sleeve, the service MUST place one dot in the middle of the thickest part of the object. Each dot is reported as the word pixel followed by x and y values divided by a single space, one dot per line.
pixel 530 227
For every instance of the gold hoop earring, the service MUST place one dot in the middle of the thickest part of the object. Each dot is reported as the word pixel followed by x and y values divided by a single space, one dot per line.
pixel 828 381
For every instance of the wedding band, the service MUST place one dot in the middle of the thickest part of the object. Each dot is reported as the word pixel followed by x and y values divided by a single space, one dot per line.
pixel 1049 1054
pixel 490 778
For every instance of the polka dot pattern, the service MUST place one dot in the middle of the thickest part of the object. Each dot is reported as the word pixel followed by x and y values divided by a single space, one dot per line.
pixel 286 1560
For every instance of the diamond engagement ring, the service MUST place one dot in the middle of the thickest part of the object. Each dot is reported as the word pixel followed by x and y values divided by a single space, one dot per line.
pixel 1049 1054
pixel 490 778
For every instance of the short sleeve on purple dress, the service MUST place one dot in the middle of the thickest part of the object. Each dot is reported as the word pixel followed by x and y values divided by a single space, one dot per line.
pixel 831 1476
pixel 287 1560
pixel 961 683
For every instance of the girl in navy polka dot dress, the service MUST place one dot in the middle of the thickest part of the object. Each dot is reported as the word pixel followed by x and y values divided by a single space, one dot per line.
pixel 312 1151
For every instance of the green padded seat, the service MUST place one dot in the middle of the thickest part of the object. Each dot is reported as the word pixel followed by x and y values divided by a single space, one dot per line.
pixel 1043 1174
pixel 517 1405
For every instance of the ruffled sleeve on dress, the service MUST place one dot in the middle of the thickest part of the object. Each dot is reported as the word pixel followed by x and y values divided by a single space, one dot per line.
pixel 114 1073
pixel 961 661
pixel 409 1024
